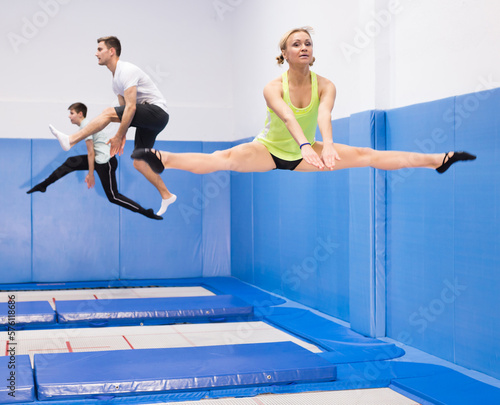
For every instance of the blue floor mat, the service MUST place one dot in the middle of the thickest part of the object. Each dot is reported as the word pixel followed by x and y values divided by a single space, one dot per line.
pixel 139 310
pixel 77 375
pixel 17 379
pixel 33 313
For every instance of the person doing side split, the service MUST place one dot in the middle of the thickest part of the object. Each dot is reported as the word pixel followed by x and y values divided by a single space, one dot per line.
pixel 98 158
pixel 298 102
pixel 141 105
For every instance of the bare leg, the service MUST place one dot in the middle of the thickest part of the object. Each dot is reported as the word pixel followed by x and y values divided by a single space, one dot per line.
pixel 153 178
pixel 97 124
pixel 247 157
pixel 385 160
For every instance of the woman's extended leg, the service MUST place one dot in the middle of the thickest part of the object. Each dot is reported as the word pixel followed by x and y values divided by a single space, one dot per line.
pixel 247 157
pixel 352 156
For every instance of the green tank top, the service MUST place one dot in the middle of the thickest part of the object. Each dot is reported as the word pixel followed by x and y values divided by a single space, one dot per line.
pixel 276 137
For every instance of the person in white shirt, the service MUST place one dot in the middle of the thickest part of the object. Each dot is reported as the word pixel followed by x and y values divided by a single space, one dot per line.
pixel 98 159
pixel 141 105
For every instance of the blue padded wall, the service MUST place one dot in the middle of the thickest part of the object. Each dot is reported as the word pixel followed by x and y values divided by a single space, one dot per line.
pixel 443 235
pixel 421 250
pixel 332 217
pixel 171 248
pixel 297 226
pixel 420 230
pixel 70 233
pixel 74 229
pixel 242 245
pixel 432 282
pixel 15 215
pixel 216 194
pixel 266 223
pixel 477 233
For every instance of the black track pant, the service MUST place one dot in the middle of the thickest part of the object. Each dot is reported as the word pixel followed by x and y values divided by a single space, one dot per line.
pixel 106 173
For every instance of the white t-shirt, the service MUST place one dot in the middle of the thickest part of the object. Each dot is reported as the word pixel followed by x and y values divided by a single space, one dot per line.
pixel 128 75
pixel 101 149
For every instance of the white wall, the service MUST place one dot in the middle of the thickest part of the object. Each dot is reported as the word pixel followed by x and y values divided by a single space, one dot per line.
pixel 444 48
pixel 379 53
pixel 258 27
pixel 48 62
pixel 212 58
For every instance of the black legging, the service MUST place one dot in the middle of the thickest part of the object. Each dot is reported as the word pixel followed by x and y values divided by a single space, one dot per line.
pixel 106 173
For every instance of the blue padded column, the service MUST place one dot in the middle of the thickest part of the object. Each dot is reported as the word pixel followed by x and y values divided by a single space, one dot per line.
pixel 216 213
pixel 475 284
pixel 367 230
pixel 171 248
pixel 75 230
pixel 15 215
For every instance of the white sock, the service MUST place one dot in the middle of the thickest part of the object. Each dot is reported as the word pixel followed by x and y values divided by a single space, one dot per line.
pixel 166 203
pixel 62 138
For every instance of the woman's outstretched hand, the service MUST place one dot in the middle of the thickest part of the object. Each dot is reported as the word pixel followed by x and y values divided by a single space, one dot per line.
pixel 311 157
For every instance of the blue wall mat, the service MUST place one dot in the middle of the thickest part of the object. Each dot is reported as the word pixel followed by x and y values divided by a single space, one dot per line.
pixel 15 215
pixel 299 246
pixel 171 248
pixel 476 279
pixel 216 194
pixel 266 222
pixel 420 231
pixel 300 233
pixel 242 246
pixel 332 218
pixel 75 230
pixel 367 229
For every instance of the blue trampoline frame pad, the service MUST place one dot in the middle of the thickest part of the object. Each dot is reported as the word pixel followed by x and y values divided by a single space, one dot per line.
pixel 33 313
pixel 116 373
pixel 171 309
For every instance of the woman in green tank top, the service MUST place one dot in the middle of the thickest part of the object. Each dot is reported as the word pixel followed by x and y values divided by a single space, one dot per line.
pixel 298 102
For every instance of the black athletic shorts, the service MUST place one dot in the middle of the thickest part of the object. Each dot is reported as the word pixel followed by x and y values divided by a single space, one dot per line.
pixel 285 164
pixel 149 120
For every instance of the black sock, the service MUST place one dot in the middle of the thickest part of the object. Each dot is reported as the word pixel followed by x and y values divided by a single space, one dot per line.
pixel 150 214
pixel 39 187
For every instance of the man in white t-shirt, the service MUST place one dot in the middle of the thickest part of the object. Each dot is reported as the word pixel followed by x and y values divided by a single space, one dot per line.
pixel 98 159
pixel 141 105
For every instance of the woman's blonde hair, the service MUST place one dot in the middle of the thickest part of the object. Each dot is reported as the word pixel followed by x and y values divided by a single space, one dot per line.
pixel 282 44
